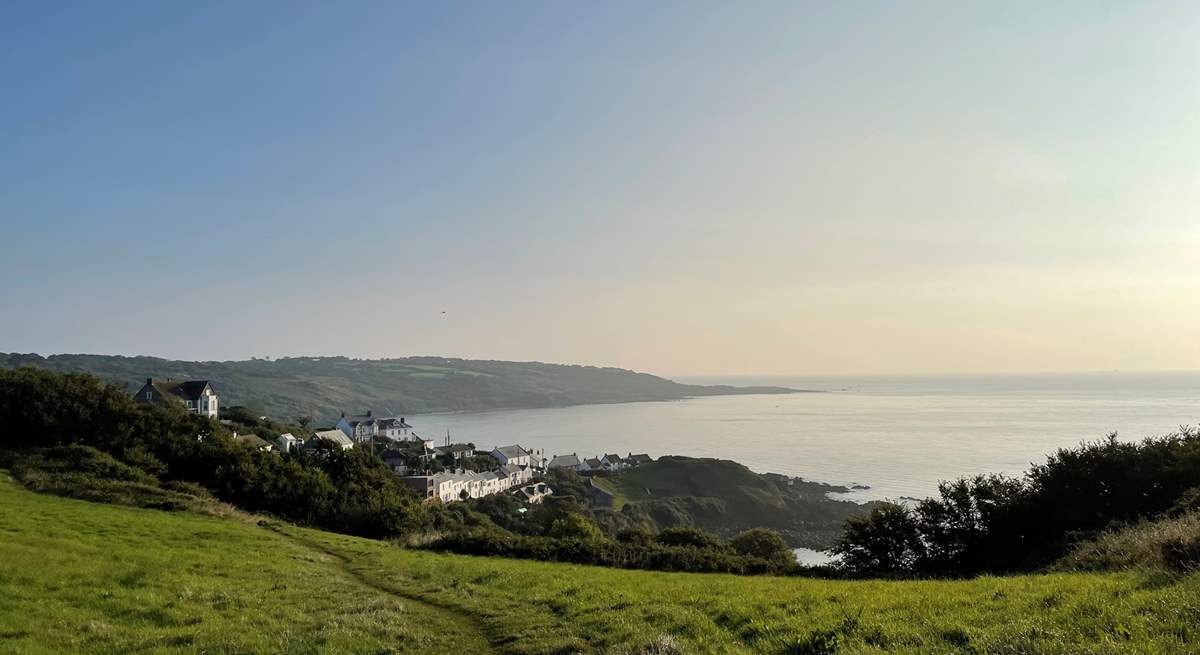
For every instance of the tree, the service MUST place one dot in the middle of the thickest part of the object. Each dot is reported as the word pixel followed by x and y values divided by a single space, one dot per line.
pixel 886 541
pixel 575 526
pixel 763 544
pixel 693 537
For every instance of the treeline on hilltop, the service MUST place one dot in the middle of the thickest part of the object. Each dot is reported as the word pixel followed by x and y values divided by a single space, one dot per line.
pixel 323 387
pixel 1093 506
pixel 74 435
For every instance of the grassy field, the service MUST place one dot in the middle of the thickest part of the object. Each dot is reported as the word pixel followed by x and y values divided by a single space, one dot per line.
pixel 77 577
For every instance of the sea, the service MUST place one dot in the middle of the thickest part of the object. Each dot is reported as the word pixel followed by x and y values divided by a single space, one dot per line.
pixel 892 437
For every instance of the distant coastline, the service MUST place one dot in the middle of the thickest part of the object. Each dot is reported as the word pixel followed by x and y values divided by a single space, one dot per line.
pixel 324 387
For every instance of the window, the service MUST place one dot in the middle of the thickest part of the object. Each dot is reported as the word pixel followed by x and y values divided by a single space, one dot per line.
pixel 149 395
pixel 189 404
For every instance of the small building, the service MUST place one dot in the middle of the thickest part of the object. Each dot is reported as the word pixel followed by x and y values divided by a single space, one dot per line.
pixel 611 463
pixel 255 441
pixel 597 495
pixel 197 395
pixel 288 442
pixel 511 455
pixel 333 437
pixel 564 461
pixel 637 460
pixel 591 464
pixel 457 451
pixel 533 493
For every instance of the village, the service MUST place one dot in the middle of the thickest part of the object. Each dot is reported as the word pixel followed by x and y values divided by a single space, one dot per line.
pixel 446 472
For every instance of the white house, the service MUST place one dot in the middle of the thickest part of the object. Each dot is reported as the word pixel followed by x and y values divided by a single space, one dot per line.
pixel 511 455
pixel 363 427
pixel 612 463
pixel 287 442
pixel 197 395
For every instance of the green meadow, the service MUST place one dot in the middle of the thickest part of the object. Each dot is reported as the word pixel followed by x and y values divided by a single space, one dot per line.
pixel 78 577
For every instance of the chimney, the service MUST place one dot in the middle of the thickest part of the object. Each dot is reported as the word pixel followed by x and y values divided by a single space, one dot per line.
pixel 368 413
pixel 149 380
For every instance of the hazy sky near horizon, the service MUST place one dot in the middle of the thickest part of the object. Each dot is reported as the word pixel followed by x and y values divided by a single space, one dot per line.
pixel 682 188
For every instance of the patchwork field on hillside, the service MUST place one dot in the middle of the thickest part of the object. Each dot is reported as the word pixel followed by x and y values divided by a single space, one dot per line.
pixel 77 577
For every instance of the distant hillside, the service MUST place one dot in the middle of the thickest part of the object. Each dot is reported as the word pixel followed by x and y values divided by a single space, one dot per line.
pixel 323 387
pixel 725 497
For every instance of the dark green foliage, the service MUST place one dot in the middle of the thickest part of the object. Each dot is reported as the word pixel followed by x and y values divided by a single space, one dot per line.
pixel 999 524
pixel 764 545
pixel 885 541
pixel 574 526
pixel 689 537
pixel 351 492
pixel 602 552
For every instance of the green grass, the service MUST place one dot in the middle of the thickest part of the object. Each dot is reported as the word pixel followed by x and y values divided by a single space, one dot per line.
pixel 77 577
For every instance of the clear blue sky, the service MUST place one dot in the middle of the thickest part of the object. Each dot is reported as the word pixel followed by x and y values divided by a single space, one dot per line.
pixel 676 187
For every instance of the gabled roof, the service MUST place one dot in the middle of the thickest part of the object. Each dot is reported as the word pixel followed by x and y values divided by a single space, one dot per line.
pixel 253 440
pixel 335 436
pixel 186 389
pixel 639 459
pixel 615 459
pixel 511 451
pixel 593 462
pixel 570 461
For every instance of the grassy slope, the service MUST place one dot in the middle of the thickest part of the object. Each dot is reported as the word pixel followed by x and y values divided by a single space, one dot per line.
pixel 80 577
pixel 324 386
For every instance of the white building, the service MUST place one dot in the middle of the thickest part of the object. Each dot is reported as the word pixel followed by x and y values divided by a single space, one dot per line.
pixel 511 455
pixel 287 442
pixel 365 427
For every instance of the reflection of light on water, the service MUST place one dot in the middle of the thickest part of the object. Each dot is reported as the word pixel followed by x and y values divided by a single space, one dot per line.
pixel 810 557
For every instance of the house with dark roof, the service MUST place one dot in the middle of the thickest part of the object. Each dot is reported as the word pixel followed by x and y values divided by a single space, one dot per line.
pixel 564 461
pixel 533 493
pixel 637 460
pixel 366 426
pixel 591 464
pixel 612 463
pixel 197 395
pixel 457 450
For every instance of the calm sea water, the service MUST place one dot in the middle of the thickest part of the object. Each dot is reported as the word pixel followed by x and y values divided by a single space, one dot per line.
pixel 899 435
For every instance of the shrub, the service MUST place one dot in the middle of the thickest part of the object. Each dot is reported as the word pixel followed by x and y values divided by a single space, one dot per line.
pixel 691 537
pixel 763 544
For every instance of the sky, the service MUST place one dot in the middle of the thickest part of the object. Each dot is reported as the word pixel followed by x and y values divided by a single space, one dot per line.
pixel 682 188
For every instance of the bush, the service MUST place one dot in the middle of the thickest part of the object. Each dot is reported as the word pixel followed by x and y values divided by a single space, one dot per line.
pixel 690 537
pixel 763 544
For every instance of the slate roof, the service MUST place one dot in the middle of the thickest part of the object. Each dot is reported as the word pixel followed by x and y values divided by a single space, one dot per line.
pixel 185 390
pixel 510 452
pixel 569 461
